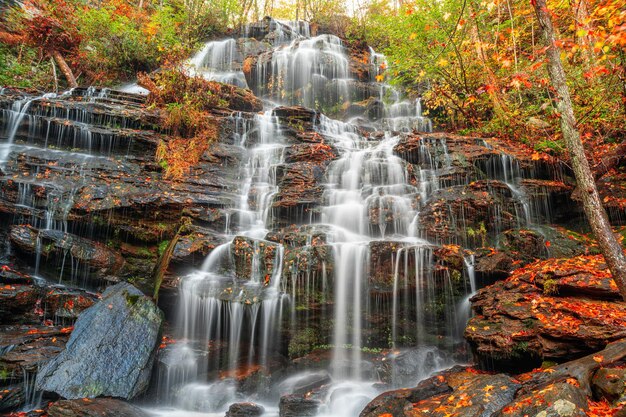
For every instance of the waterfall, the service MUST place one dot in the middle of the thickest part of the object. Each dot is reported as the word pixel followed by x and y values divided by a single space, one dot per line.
pixel 17 114
pixel 219 61
pixel 341 288
pixel 241 299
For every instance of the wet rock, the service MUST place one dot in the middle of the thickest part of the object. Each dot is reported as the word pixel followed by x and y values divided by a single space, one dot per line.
pixel 11 276
pixel 297 236
pixel 57 244
pixel 64 304
pixel 254 258
pixel 492 265
pixel 310 382
pixel 298 406
pixel 18 302
pixel 371 108
pixel 578 276
pixel 252 46
pixel 469 215
pixel 555 400
pixel 245 410
pixel 298 118
pixel 479 395
pixel 23 350
pixel 11 398
pixel 300 190
pixel 406 367
pixel 318 359
pixel 237 98
pixel 319 153
pixel 31 413
pixel 457 391
pixel 543 312
pixel 542 242
pixel 609 383
pixel 360 56
pixel 398 402
pixel 111 349
pixel 382 261
pixel 97 407
pixel 193 247
pixel 254 381
pixel 27 300
pixel 433 150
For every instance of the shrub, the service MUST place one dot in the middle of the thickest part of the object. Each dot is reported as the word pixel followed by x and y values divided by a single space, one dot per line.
pixel 184 103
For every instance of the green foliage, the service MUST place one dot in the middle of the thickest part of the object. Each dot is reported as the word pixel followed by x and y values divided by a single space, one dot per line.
pixel 303 342
pixel 479 66
pixel 117 45
pixel 162 247
pixel 550 146
pixel 550 287
pixel 22 67
pixel 185 103
pixel 109 43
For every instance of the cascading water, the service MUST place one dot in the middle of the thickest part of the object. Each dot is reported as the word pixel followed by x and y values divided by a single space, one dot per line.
pixel 73 140
pixel 362 298
pixel 219 61
pixel 16 116
pixel 232 312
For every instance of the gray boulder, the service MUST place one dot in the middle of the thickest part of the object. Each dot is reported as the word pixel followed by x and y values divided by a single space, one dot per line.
pixel 111 350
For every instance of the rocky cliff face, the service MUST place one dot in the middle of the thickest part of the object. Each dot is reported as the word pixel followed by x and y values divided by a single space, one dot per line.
pixel 309 244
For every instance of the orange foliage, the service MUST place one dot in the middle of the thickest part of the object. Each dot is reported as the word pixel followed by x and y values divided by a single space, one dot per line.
pixel 602 409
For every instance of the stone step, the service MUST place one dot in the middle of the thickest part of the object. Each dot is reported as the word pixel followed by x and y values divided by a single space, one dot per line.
pixel 67 134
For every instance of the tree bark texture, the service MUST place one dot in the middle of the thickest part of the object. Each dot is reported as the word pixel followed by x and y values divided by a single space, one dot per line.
pixel 592 205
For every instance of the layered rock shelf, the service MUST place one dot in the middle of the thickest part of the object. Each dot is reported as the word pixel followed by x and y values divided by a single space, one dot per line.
pixel 306 265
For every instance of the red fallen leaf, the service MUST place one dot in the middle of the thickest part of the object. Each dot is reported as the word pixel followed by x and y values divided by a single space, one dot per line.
pixel 601 409
pixel 67 330
pixel 547 243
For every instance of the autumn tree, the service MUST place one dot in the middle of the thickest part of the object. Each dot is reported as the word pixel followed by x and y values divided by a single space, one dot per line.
pixel 46 27
pixel 596 215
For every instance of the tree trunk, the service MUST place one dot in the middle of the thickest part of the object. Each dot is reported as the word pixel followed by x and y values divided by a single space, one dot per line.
pixel 582 369
pixel 11 38
pixel 54 75
pixel 65 69
pixel 581 21
pixel 493 90
pixel 596 215
pixel 160 268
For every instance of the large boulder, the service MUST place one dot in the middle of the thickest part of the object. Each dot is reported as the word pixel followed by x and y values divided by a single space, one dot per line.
pixel 564 390
pixel 549 310
pixel 396 402
pixel 110 351
pixel 458 391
